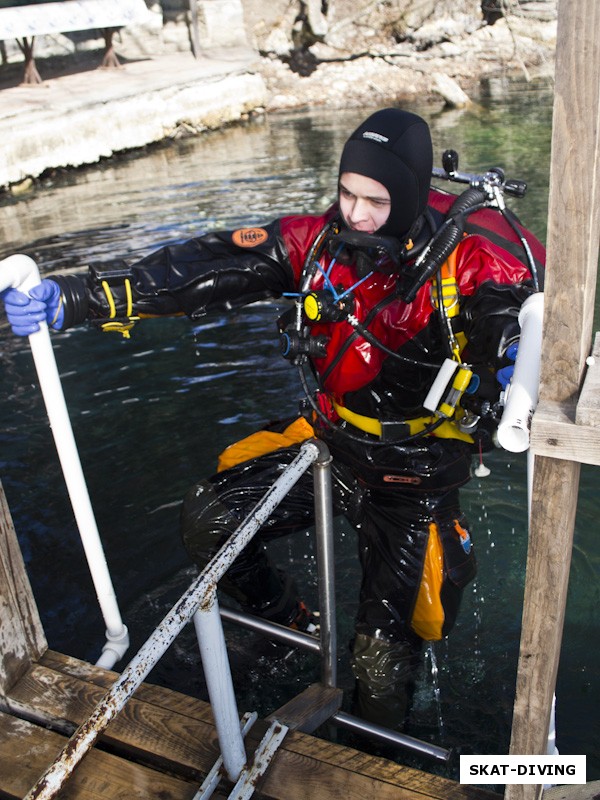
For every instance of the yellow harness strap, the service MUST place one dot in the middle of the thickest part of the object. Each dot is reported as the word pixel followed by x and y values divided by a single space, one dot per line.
pixel 450 299
pixel 447 430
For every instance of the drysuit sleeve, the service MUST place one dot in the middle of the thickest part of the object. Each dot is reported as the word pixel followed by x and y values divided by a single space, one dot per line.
pixel 218 271
pixel 493 286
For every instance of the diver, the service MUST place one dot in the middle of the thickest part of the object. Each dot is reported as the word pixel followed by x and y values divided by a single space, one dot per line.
pixel 402 333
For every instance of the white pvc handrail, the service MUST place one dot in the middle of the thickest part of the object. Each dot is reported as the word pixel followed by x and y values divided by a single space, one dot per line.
pixel 21 272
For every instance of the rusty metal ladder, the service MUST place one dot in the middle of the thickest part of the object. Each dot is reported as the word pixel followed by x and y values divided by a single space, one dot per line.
pixel 319 703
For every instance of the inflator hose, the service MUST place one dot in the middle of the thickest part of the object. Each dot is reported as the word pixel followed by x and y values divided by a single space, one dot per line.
pixel 446 239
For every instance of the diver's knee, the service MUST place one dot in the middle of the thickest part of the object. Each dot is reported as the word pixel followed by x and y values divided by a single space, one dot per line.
pixel 205 522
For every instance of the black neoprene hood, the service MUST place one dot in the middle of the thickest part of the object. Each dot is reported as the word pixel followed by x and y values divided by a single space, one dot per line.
pixel 394 147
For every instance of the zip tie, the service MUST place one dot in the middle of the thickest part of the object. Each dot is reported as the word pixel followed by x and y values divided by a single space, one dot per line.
pixel 58 310
pixel 129 297
pixel 110 299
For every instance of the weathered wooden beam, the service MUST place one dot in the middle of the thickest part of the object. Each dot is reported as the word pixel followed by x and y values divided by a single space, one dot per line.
pixel 22 638
pixel 570 430
pixel 588 407
pixel 26 749
pixel 573 239
pixel 573 219
pixel 548 563
pixel 310 708
pixel 555 434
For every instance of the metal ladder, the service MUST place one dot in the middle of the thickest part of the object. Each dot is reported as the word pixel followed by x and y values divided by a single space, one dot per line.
pixel 320 703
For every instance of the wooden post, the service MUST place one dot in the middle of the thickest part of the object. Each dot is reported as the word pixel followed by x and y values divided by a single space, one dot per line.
pixel 22 638
pixel 109 60
pixel 30 74
pixel 573 241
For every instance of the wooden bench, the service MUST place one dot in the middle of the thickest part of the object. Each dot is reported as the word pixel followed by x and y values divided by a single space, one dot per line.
pixel 25 22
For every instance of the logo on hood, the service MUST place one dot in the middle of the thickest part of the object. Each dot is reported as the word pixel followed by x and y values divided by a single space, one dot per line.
pixel 377 137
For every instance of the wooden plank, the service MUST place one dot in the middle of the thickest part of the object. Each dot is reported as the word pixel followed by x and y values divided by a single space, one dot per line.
pixel 588 406
pixel 573 219
pixel 176 702
pixel 321 770
pixel 304 767
pixel 555 434
pixel 166 740
pixel 583 791
pixel 75 15
pixel 22 638
pixel 26 750
pixel 310 709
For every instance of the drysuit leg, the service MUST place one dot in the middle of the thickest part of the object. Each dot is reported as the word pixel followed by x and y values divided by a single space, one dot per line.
pixel 393 542
pixel 214 508
pixel 385 674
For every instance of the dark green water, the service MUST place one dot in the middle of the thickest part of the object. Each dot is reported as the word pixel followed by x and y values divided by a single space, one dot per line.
pixel 151 414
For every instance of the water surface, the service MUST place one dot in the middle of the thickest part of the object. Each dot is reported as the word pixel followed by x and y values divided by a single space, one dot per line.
pixel 151 414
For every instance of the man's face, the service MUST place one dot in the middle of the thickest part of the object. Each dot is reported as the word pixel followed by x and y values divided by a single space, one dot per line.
pixel 365 203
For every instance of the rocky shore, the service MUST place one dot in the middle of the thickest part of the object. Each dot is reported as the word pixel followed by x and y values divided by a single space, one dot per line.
pixel 442 53
pixel 294 54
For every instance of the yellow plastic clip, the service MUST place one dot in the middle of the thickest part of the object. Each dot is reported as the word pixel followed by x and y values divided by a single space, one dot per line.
pixel 460 384
pixel 119 327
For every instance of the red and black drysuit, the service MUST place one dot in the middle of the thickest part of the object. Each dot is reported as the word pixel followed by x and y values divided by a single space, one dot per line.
pixel 401 495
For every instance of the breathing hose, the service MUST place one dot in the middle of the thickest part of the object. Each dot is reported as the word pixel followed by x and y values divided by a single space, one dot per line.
pixel 446 239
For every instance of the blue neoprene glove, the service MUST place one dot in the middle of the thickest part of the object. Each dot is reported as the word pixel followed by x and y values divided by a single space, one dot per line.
pixel 25 312
pixel 504 375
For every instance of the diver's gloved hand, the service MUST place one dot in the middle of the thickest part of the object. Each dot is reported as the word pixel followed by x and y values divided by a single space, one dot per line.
pixel 42 304
pixel 504 375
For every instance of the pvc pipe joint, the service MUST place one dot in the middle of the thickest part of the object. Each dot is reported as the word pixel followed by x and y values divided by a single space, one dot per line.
pixel 514 428
pixel 19 272
pixel 115 648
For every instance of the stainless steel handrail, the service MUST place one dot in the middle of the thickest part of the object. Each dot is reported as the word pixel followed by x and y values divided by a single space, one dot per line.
pixel 200 598
pixel 200 603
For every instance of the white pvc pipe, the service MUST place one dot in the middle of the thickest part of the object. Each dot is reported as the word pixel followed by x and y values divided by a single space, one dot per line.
pixel 217 674
pixel 522 396
pixel 513 433
pixel 21 272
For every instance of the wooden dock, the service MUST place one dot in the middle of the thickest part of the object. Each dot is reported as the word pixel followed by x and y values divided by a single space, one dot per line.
pixel 163 743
